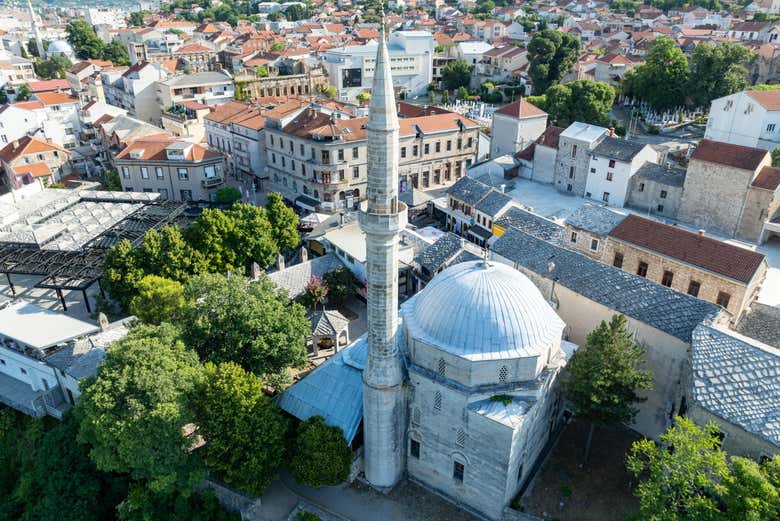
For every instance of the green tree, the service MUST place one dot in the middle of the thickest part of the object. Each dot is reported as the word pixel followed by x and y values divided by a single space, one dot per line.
pixel 228 194
pixel 244 430
pixel 23 93
pixel 296 12
pixel 604 377
pixel 113 183
pixel 261 71
pixel 682 477
pixel 776 157
pixel 341 284
pixel 582 100
pixel 321 455
pixel 116 52
pixel 445 97
pixel 157 300
pixel 463 93
pixel 314 294
pixel 61 468
pixel 122 272
pixel 363 97
pixel 662 80
pixel 233 239
pixel 168 254
pixel 84 40
pixel 456 74
pixel 277 47
pixel 753 490
pixel 717 71
pixel 54 67
pixel 136 19
pixel 143 504
pixel 250 323
pixel 551 55
pixel 134 412
pixel 284 222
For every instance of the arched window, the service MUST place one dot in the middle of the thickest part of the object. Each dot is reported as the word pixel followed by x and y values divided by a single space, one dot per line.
pixel 437 401
pixel 460 439
pixel 503 372
pixel 442 367
pixel 416 416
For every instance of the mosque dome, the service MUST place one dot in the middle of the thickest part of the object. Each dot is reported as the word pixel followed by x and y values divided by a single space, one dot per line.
pixel 483 311
pixel 59 47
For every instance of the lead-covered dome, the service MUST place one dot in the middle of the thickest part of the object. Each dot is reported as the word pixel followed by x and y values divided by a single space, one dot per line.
pixel 483 311
pixel 59 47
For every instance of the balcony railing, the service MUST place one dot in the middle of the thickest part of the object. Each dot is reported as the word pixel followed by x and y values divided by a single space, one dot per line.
pixel 212 182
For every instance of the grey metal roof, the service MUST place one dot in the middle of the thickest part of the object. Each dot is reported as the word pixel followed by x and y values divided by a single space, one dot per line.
pixel 198 78
pixel 468 190
pixel 327 322
pixel 661 175
pixel 334 391
pixel 617 148
pixel 595 219
pixel 294 278
pixel 441 252
pixel 531 224
pixel 658 306
pixel 737 380
pixel 414 197
pixel 761 322
pixel 81 358
pixel 493 202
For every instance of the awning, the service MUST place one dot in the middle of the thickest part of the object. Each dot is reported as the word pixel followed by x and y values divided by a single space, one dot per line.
pixel 307 203
pixel 480 233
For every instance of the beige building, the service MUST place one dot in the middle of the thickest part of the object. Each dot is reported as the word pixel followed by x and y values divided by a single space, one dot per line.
pixel 322 158
pixel 172 167
pixel 28 159
pixel 250 85
pixel 186 120
pixel 732 189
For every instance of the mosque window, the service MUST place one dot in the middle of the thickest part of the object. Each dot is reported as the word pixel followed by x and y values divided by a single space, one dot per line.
pixel 414 448
pixel 416 416
pixel 503 373
pixel 442 368
pixel 458 470
pixel 460 441
pixel 437 401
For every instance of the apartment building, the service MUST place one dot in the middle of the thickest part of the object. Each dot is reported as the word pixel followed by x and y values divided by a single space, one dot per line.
pixel 133 89
pixel 321 159
pixel 186 120
pixel 172 167
pixel 27 159
pixel 572 162
pixel 206 88
pixel 749 118
pixel 613 163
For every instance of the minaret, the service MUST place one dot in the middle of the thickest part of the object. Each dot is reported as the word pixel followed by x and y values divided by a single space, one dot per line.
pixel 36 32
pixel 382 217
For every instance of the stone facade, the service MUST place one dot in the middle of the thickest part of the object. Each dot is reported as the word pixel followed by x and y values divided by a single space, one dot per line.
pixel 654 197
pixel 249 85
pixel 572 161
pixel 760 205
pixel 736 440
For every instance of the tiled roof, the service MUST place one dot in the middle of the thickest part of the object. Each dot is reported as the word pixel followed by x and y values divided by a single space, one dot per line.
pixel 768 178
pixel 327 322
pixel 619 149
pixel 595 219
pixel 530 223
pixel 659 174
pixel 493 203
pixel 24 146
pixel 737 380
pixel 153 148
pixel 293 279
pixel 521 109
pixel 663 308
pixel 39 169
pixel 737 156
pixel 761 322
pixel 55 98
pixel 48 85
pixel 550 136
pixel 689 247
pixel 443 252
pixel 468 190
pixel 769 99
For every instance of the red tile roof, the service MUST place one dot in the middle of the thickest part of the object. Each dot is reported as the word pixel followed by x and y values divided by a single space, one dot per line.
pixel 153 149
pixel 769 99
pixel 39 169
pixel 521 109
pixel 768 178
pixel 48 85
pixel 24 146
pixel 551 136
pixel 55 98
pixel 737 156
pixel 699 250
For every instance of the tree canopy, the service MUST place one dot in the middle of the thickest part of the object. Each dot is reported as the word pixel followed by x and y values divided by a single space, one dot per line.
pixel 284 222
pixel 116 52
pixel 456 74
pixel 582 100
pixel 321 454
pixel 158 299
pixel 717 71
pixel 244 431
pixel 135 410
pixel 52 68
pixel 252 324
pixel 551 55
pixel 85 41
pixel 23 93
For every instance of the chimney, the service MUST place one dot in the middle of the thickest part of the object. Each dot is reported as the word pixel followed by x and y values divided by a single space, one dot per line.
pixel 502 186
pixel 280 262
pixel 103 321
pixel 304 254
pixel 16 144
pixel 611 131
pixel 256 271
pixel 701 233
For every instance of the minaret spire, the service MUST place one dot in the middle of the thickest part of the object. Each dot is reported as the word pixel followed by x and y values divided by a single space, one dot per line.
pixel 382 217
pixel 36 32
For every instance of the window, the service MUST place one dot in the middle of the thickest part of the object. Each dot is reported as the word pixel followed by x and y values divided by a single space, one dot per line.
pixel 449 145
pixel 770 127
pixel 163 193
pixel 660 208
pixel 569 187
pixel 355 172
pixel 612 163
pixel 341 154
pixel 642 269
pixel 503 373
pixel 663 194
pixel 147 190
pixel 693 288
pixel 128 189
pixel 158 171
pixel 458 470
pixel 284 162
pixel 605 197
pixel 302 149
pixel 571 172
pixel 426 149
pixel 666 280
pixel 641 187
pixel 273 158
pixel 618 260
pixel 610 175
pixel 592 170
pixel 184 175
pixel 144 172
pixel 460 438
pixel 573 150
pixel 442 367
pixel 437 401
pixel 125 172
pixel 594 245
pixel 186 195
pixel 4 138
pixel 355 152
pixel 414 150
pixel 272 140
pixel 723 299
pixel 437 146
pixel 403 152
pixel 414 448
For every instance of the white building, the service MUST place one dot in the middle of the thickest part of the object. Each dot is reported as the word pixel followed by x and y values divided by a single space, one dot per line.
pixel 749 118
pixel 472 52
pixel 613 163
pixel 207 88
pixel 112 18
pixel 133 89
pixel 20 119
pixel 351 68
pixel 515 126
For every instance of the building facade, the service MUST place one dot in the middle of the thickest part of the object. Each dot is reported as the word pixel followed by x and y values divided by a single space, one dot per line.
pixel 572 162
pixel 516 126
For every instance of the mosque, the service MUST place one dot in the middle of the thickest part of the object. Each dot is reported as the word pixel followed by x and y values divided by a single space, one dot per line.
pixel 458 392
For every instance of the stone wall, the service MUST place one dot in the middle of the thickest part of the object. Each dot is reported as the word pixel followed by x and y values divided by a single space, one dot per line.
pixel 737 440
pixel 649 198
pixel 232 501
pixel 568 158
pixel 760 205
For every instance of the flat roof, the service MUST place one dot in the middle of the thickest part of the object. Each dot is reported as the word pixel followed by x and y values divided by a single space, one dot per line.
pixel 34 326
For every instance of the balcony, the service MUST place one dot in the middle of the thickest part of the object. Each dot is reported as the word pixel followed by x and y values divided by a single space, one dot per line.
pixel 212 182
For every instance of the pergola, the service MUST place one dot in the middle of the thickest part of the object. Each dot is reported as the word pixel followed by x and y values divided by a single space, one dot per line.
pixel 69 270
